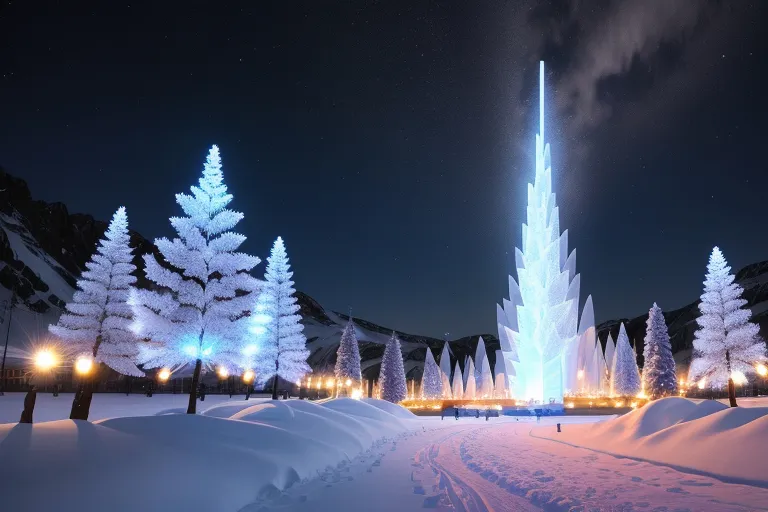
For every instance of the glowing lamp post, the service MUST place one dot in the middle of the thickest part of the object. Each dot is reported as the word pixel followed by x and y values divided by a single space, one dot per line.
pixel 83 366
pixel 163 375
pixel 248 378
pixel 45 361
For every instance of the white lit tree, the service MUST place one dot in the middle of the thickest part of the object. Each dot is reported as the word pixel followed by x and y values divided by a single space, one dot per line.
pixel 470 387
pixel 727 344
pixel 282 351
pixel 95 326
pixel 432 381
pixel 392 373
pixel 625 377
pixel 199 312
pixel 348 356
pixel 659 375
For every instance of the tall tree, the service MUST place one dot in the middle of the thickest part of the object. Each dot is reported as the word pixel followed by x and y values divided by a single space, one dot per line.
pixel 282 345
pixel 96 324
pixel 348 357
pixel 625 377
pixel 432 381
pixel 445 370
pixel 199 313
pixel 659 375
pixel 392 374
pixel 726 341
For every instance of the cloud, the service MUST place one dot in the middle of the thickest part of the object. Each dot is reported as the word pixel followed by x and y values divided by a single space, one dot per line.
pixel 627 31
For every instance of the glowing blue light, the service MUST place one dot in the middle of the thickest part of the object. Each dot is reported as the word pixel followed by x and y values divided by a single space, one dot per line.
pixel 258 330
pixel 251 349
pixel 190 350
pixel 261 318
pixel 207 351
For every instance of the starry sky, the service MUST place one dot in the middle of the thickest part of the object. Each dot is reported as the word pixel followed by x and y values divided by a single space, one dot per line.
pixel 390 142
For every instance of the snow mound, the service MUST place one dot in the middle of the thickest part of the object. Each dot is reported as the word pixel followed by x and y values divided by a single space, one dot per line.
pixel 360 409
pixel 228 409
pixel 395 410
pixel 256 452
pixel 706 438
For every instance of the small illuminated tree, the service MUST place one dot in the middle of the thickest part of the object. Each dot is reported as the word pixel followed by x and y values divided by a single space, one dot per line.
pixel 659 375
pixel 348 356
pixel 199 313
pixel 432 381
pixel 96 323
pixel 726 341
pixel 392 373
pixel 625 377
pixel 277 324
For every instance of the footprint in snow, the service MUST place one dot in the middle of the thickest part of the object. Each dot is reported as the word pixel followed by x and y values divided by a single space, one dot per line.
pixel 694 483
pixel 637 479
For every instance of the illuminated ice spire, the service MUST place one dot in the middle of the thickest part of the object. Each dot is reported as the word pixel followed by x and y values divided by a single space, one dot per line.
pixel 538 331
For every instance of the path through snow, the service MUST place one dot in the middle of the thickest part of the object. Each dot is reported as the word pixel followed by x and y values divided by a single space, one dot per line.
pixel 477 466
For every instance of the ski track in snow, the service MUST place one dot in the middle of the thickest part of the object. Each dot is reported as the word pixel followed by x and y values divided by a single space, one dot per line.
pixel 478 466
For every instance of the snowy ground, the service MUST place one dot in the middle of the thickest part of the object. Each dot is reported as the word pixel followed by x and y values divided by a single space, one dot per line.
pixel 345 455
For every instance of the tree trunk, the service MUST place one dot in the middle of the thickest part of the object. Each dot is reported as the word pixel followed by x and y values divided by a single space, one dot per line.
pixel 192 407
pixel 731 384
pixel 732 393
pixel 29 406
pixel 277 377
pixel 81 405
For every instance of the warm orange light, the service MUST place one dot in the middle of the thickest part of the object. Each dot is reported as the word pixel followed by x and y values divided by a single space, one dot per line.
pixel 702 383
pixel 164 374
pixel 223 373
pixel 248 376
pixel 45 359
pixel 329 383
pixel 83 365
pixel 348 382
pixel 762 370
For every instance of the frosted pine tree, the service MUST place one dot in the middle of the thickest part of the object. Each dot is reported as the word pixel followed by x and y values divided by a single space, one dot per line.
pixel 659 375
pixel 392 374
pixel 726 341
pixel 348 357
pixel 96 323
pixel 445 370
pixel 199 313
pixel 625 377
pixel 432 381
pixel 282 345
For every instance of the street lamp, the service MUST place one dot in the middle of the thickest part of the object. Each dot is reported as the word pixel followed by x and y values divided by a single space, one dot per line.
pixel 248 377
pixel 762 370
pixel 83 365
pixel 163 375
pixel 45 360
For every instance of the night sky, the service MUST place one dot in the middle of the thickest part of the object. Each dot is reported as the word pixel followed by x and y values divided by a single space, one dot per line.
pixel 390 143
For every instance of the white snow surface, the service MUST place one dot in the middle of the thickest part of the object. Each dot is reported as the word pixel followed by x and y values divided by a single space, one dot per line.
pixel 345 455
pixel 704 437
pixel 234 454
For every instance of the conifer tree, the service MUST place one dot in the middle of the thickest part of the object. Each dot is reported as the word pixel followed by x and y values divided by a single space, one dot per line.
pixel 659 375
pixel 726 341
pixel 348 357
pixel 199 312
pixel 96 323
pixel 392 374
pixel 282 345
pixel 625 377
pixel 431 382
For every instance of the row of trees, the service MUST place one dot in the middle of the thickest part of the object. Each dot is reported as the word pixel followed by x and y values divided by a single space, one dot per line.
pixel 726 346
pixel 204 307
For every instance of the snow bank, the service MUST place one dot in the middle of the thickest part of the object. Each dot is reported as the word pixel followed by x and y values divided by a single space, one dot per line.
pixel 209 461
pixel 393 409
pixel 707 438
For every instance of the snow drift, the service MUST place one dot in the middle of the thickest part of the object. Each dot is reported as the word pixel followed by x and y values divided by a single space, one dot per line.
pixel 231 456
pixel 707 438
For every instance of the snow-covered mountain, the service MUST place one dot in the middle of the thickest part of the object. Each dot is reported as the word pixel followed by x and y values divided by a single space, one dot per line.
pixel 43 248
